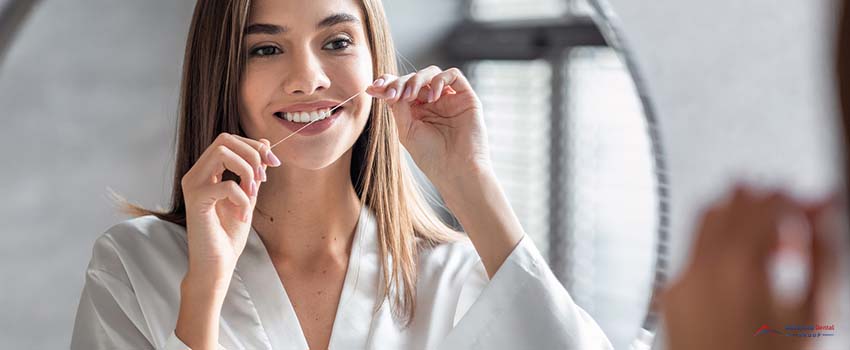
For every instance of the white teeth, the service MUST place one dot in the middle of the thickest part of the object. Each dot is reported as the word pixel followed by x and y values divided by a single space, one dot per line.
pixel 306 117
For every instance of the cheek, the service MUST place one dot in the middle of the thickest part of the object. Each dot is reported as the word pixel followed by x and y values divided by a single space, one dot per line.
pixel 354 73
pixel 364 107
pixel 363 77
pixel 253 97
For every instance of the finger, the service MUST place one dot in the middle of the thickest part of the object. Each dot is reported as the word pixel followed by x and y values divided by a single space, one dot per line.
pixel 248 150
pixel 742 209
pixel 396 88
pixel 386 90
pixel 263 149
pixel 222 158
pixel 437 85
pixel 415 83
pixel 230 191
pixel 709 240
pixel 827 229
pixel 741 197
pixel 775 216
pixel 258 153
pixel 381 82
pixel 453 78
pixel 720 217
pixel 269 155
pixel 757 225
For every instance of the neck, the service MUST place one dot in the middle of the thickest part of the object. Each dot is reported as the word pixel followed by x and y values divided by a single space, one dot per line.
pixel 303 215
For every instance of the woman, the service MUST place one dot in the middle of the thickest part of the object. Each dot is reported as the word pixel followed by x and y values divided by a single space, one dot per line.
pixel 325 242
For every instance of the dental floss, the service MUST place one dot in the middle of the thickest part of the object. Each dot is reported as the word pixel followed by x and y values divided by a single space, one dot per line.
pixel 313 121
pixel 404 60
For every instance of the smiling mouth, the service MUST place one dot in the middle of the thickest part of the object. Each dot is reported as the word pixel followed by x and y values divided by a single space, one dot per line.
pixel 307 117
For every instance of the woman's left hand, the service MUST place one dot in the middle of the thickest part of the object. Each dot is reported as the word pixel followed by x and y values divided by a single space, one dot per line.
pixel 440 121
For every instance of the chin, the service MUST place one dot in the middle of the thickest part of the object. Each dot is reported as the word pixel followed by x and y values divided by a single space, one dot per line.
pixel 316 155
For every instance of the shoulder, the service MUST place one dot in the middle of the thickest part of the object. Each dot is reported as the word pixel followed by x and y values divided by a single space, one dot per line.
pixel 138 244
pixel 455 258
pixel 133 279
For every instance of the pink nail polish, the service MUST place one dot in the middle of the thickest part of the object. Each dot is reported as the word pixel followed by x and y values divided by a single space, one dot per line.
pixel 407 92
pixel 253 188
pixel 273 160
pixel 391 93
pixel 265 176
pixel 378 82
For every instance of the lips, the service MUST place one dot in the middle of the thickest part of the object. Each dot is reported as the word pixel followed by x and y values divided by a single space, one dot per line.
pixel 306 112
pixel 307 128
pixel 305 116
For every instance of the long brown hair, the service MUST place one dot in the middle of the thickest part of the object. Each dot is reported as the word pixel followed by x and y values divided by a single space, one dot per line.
pixel 212 68
pixel 843 69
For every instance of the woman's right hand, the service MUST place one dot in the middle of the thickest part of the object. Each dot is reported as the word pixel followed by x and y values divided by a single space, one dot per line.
pixel 725 295
pixel 219 212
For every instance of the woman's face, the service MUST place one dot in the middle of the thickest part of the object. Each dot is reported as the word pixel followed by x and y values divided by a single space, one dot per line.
pixel 304 57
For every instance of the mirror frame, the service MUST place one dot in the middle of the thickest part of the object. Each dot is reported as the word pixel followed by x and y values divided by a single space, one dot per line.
pixel 13 14
pixel 610 27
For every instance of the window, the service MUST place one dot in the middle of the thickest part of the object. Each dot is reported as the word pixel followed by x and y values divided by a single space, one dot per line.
pixel 607 198
pixel 516 98
pixel 493 10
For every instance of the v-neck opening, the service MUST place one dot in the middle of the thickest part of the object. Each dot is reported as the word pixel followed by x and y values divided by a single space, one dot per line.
pixel 275 308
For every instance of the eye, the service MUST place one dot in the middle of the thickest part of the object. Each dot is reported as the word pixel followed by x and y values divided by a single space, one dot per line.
pixel 263 51
pixel 338 44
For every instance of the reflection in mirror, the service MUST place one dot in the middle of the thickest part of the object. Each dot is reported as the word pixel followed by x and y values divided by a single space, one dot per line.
pixel 572 145
pixel 570 136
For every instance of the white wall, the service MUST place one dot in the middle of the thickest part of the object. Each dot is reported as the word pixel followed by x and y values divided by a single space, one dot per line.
pixel 88 98
pixel 744 91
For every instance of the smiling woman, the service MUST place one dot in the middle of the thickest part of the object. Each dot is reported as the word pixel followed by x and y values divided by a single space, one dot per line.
pixel 344 251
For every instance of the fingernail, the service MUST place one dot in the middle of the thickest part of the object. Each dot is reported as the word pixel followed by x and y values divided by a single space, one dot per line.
pixel 378 82
pixel 407 92
pixel 260 172
pixel 253 188
pixel 431 95
pixel 391 92
pixel 265 176
pixel 273 161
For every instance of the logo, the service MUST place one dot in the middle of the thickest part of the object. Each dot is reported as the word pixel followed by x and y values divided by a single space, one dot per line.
pixel 805 331
pixel 765 329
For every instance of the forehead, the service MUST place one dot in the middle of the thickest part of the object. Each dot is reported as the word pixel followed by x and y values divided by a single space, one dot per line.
pixel 300 13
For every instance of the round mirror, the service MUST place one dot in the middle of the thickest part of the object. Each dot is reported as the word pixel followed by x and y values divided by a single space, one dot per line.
pixel 573 136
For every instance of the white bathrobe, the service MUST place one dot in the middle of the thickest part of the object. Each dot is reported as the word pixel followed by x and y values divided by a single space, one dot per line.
pixel 131 298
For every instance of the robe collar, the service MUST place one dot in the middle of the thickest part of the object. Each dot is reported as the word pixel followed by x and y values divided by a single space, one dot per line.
pixel 359 296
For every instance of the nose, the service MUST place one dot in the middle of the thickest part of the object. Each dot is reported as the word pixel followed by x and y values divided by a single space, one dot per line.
pixel 306 75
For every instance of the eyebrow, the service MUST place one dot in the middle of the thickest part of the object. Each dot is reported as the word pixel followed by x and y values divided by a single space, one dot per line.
pixel 273 29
